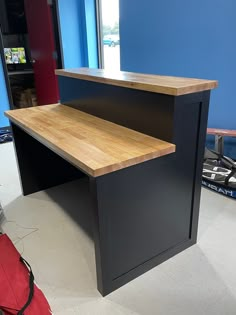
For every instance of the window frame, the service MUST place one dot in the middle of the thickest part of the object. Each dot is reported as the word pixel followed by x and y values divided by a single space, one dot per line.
pixel 99 34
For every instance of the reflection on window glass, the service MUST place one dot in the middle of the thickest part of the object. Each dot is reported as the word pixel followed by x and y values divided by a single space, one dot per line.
pixel 110 34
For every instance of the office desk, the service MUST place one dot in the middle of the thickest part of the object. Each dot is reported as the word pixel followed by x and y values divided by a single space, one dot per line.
pixel 140 139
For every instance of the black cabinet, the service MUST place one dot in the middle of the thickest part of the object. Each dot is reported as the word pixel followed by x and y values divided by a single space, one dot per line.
pixel 12 17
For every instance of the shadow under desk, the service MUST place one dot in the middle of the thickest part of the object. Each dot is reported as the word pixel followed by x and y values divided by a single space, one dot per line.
pixel 144 191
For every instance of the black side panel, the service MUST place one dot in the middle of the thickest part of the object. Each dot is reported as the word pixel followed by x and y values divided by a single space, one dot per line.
pixel 142 217
pixel 148 207
pixel 2 56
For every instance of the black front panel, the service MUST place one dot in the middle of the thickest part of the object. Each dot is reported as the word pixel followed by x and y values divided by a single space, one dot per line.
pixel 146 112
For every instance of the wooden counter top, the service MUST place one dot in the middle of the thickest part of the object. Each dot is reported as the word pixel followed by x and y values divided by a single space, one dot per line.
pixel 153 83
pixel 94 145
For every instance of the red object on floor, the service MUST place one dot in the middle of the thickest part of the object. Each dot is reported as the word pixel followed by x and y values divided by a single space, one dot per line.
pixel 18 293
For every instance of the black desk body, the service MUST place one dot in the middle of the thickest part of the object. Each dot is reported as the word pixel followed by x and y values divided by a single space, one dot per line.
pixel 143 214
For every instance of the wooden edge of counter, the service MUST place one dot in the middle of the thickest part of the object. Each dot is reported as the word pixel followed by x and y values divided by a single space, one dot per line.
pixel 27 118
pixel 168 85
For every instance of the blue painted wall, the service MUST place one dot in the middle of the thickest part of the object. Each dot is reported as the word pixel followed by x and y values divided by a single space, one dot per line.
pixel 91 33
pixel 78 32
pixel 4 103
pixel 71 15
pixel 184 38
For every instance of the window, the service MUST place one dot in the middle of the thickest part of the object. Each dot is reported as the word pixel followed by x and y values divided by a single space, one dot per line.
pixel 108 21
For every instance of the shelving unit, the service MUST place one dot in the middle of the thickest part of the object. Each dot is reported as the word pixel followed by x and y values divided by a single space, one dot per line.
pixel 22 88
pixel 19 77
pixel 20 72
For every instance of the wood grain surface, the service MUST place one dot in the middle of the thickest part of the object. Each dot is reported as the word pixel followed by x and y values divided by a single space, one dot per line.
pixel 221 132
pixel 152 83
pixel 94 145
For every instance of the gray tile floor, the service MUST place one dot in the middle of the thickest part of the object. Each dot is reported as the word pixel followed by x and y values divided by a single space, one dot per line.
pixel 54 235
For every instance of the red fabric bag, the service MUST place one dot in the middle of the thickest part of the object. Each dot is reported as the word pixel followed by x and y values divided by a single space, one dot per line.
pixel 18 293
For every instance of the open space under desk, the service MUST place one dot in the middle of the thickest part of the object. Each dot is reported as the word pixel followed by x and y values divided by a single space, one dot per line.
pixel 143 159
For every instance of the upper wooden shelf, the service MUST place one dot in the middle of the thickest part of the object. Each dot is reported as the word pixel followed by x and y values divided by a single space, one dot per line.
pixel 94 145
pixel 153 83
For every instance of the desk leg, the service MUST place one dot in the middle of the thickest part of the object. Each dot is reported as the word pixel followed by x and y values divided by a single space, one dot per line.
pixel 142 217
pixel 38 166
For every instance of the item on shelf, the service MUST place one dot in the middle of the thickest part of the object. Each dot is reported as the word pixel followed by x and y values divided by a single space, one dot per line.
pixel 24 97
pixel 31 96
pixel 15 55
pixel 219 173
